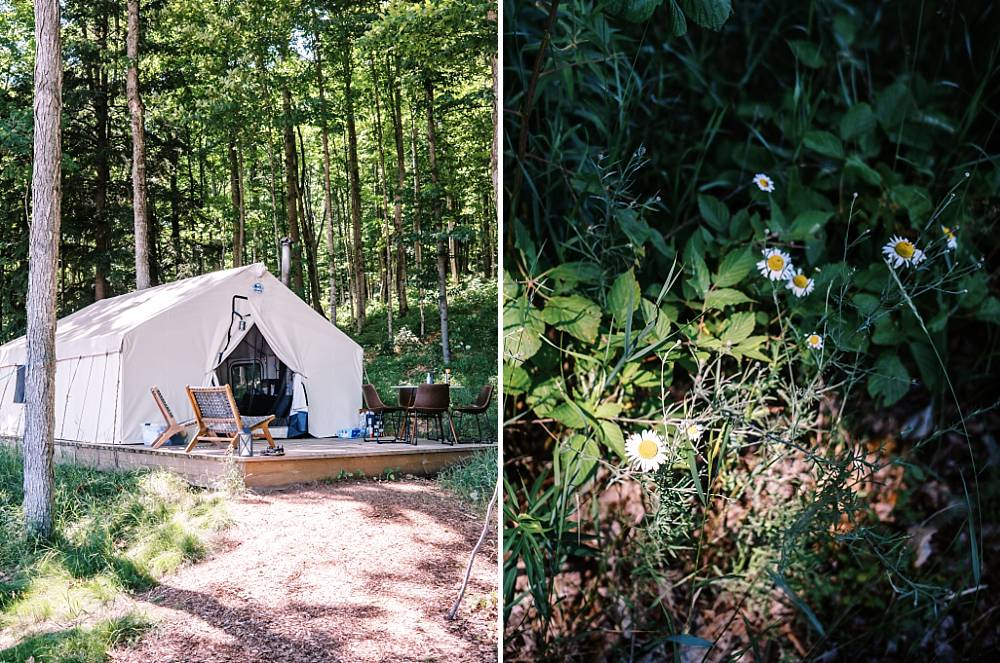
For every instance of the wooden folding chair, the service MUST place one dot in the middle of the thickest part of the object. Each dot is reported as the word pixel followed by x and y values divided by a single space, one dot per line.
pixel 173 426
pixel 219 419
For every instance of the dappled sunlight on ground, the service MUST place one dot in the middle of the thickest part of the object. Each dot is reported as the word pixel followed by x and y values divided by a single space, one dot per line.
pixel 355 571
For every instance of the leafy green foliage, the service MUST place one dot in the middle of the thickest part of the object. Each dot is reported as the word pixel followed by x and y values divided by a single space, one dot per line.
pixel 652 135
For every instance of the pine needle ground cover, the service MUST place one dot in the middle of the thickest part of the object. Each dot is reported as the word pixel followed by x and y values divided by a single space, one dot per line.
pixel 116 533
pixel 750 331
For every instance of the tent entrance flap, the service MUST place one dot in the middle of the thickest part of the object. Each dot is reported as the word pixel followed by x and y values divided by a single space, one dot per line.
pixel 261 382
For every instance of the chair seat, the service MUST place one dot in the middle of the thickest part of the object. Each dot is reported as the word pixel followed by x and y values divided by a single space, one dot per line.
pixel 248 422
pixel 388 408
pixel 470 409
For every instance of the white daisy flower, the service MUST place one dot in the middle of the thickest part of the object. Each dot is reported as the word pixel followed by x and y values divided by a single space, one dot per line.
pixel 801 285
pixel 900 251
pixel 645 451
pixel 776 265
pixel 693 431
pixel 763 182
pixel 950 234
pixel 814 341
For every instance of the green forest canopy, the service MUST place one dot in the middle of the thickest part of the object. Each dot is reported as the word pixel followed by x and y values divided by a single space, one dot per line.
pixel 228 86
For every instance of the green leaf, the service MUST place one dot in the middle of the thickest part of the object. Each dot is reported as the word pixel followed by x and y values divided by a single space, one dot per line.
pixel 572 273
pixel 928 365
pixel 638 11
pixel 751 348
pixel 915 200
pixel 734 268
pixel 809 223
pixel 856 166
pixel 892 105
pixel 678 26
pixel 578 457
pixel 711 14
pixel 624 297
pixel 515 379
pixel 824 143
pixel 574 314
pixel 890 381
pixel 636 229
pixel 740 326
pixel 807 53
pixel 718 299
pixel 714 211
pixel 522 330
pixel 660 320
pixel 613 438
pixel 859 119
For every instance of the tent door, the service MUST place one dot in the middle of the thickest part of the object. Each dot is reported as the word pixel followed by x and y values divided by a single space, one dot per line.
pixel 261 383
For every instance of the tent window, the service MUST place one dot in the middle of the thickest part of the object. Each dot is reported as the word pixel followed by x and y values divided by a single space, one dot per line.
pixel 19 385
pixel 245 376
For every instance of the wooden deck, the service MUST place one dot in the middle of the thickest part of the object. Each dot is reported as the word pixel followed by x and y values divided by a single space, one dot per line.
pixel 305 460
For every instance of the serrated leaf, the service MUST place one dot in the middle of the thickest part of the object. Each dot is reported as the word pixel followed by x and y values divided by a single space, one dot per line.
pixel 915 200
pixel 809 223
pixel 890 380
pixel 740 327
pixel 624 297
pixel 856 166
pixel 613 438
pixel 807 53
pixel 678 25
pixel 734 268
pixel 711 14
pixel 572 273
pixel 636 229
pixel 574 314
pixel 714 211
pixel 522 330
pixel 718 299
pixel 515 379
pixel 859 119
pixel 824 143
pixel 638 11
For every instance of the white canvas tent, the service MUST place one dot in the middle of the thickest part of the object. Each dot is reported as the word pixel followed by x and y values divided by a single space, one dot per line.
pixel 109 355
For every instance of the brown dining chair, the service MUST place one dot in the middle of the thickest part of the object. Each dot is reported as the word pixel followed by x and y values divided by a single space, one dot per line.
pixel 477 409
pixel 431 403
pixel 375 404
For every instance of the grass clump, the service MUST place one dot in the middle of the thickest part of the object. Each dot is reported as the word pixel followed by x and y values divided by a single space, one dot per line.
pixel 474 479
pixel 114 532
pixel 78 644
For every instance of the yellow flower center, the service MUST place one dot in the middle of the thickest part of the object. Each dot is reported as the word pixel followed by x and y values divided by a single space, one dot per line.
pixel 762 182
pixel 648 449
pixel 776 263
pixel 813 339
pixel 904 249
pixel 692 430
pixel 947 232
pixel 800 281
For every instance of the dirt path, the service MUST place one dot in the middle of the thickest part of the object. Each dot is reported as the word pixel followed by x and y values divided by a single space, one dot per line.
pixel 357 571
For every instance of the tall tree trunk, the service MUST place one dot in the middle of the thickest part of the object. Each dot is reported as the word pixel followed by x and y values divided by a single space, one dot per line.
pixel 327 189
pixel 46 194
pixel 102 149
pixel 389 238
pixel 236 191
pixel 309 233
pixel 490 272
pixel 397 125
pixel 355 192
pixel 153 234
pixel 175 211
pixel 139 216
pixel 292 193
pixel 418 253
pixel 442 247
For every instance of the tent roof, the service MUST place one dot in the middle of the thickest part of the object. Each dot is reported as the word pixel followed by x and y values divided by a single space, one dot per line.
pixel 101 327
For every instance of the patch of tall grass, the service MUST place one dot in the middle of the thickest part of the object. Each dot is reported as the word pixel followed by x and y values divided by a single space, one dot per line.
pixel 474 479
pixel 114 532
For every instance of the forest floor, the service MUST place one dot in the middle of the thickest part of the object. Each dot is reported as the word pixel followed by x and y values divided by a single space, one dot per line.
pixel 352 571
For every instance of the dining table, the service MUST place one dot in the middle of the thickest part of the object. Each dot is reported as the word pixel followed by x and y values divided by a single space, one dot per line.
pixel 408 392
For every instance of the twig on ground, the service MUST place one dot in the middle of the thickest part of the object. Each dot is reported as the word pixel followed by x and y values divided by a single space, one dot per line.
pixel 468 569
